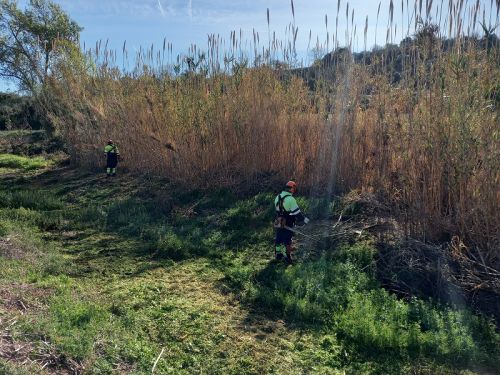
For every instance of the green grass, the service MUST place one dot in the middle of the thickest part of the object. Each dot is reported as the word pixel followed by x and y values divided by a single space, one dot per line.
pixel 23 163
pixel 131 273
pixel 35 200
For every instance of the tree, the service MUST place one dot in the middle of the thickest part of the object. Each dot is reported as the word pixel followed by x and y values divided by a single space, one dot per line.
pixel 30 41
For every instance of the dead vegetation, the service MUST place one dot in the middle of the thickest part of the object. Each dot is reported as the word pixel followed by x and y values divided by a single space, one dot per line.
pixel 27 351
pixel 11 248
pixel 449 271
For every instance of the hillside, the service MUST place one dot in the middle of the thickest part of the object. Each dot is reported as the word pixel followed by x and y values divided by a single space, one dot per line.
pixel 107 276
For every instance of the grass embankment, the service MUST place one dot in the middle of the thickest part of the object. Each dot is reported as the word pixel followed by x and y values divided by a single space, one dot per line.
pixel 16 144
pixel 12 162
pixel 101 276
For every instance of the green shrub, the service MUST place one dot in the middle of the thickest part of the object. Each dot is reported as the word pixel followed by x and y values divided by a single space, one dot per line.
pixel 4 228
pixel 338 291
pixel 16 217
pixel 251 213
pixel 51 221
pixel 20 216
pixel 218 199
pixel 378 324
pixel 54 264
pixel 173 247
pixel 128 216
pixel 7 368
pixel 315 208
pixel 88 216
pixel 361 254
pixel 239 216
pixel 238 274
pixel 309 292
pixel 214 240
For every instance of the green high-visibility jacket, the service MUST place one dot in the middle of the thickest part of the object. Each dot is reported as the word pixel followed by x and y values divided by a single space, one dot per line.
pixel 290 206
pixel 111 149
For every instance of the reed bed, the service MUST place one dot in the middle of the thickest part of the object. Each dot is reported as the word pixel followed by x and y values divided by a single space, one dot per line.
pixel 416 122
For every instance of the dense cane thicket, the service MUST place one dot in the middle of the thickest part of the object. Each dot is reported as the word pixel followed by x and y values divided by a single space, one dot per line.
pixel 417 123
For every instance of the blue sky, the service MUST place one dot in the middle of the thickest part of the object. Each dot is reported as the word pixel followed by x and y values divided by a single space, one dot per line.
pixel 183 22
pixel 186 22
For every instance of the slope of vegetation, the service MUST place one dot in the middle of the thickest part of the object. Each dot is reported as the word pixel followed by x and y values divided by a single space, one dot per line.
pixel 102 276
pixel 19 112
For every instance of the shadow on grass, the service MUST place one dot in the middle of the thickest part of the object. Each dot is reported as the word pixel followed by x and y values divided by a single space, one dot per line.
pixel 337 293
pixel 122 222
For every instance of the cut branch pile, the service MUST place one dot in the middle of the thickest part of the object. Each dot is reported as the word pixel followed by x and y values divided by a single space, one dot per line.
pixel 447 273
pixel 450 271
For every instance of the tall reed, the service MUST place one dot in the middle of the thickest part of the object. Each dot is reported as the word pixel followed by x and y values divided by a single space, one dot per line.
pixel 416 122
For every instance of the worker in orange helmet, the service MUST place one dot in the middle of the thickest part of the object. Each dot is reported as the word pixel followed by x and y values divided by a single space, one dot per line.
pixel 287 215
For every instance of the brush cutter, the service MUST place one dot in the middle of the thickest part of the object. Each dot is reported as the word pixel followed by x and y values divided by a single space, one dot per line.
pixel 301 233
pixel 280 223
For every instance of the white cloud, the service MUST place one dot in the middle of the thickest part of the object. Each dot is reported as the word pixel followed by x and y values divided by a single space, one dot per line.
pixel 160 7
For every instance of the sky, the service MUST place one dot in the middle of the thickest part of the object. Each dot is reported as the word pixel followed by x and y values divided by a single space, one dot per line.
pixel 186 22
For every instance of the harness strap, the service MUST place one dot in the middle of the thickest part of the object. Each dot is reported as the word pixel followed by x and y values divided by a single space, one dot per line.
pixel 281 208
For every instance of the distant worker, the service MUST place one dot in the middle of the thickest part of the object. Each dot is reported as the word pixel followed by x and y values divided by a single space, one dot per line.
pixel 112 155
pixel 287 215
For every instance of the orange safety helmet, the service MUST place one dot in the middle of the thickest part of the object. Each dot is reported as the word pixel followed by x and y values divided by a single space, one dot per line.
pixel 292 186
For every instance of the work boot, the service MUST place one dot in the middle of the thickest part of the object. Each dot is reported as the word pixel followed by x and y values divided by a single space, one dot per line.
pixel 114 175
pixel 279 251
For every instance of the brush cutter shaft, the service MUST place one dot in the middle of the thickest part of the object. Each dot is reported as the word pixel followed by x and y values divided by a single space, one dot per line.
pixel 301 233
